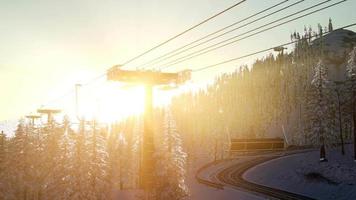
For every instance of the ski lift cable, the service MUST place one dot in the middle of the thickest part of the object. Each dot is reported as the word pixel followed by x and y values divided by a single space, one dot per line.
pixel 220 44
pixel 72 91
pixel 182 33
pixel 216 45
pixel 266 50
pixel 164 56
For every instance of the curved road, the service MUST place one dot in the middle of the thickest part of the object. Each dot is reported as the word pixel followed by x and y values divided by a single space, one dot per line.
pixel 233 176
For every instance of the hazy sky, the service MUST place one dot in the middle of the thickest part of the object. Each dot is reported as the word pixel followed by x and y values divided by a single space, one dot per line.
pixel 48 46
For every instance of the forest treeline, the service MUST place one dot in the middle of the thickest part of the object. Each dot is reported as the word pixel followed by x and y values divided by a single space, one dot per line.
pixel 88 160
pixel 292 95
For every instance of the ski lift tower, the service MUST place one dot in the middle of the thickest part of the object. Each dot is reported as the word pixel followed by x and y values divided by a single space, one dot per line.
pixel 280 49
pixel 32 119
pixel 49 113
pixel 149 79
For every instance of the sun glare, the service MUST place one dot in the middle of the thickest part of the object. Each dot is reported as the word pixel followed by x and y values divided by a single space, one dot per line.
pixel 111 102
pixel 108 102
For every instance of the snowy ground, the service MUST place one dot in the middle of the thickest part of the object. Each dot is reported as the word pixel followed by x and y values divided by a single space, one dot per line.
pixel 303 174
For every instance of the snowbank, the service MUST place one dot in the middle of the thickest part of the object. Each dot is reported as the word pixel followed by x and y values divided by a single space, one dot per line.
pixel 304 174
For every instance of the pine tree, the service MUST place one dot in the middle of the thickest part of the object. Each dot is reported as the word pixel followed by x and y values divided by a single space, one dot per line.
pixel 51 173
pixel 98 164
pixel 171 168
pixel 135 150
pixel 4 178
pixel 111 147
pixel 351 77
pixel 319 107
pixel 79 182
pixel 59 187
pixel 19 160
pixel 330 26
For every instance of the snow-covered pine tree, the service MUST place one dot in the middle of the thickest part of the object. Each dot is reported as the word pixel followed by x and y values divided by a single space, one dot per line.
pixel 59 187
pixel 3 141
pixel 18 160
pixel 38 157
pixel 4 178
pixel 117 157
pixel 330 26
pixel 52 160
pixel 340 96
pixel 79 172
pixel 98 164
pixel 351 77
pixel 171 168
pixel 134 129
pixel 122 158
pixel 111 145
pixel 319 109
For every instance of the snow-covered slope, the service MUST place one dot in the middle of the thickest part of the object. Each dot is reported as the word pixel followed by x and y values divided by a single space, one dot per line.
pixel 304 174
pixel 336 48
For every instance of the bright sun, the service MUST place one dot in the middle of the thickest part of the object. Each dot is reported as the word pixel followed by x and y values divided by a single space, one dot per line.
pixel 109 102
pixel 112 101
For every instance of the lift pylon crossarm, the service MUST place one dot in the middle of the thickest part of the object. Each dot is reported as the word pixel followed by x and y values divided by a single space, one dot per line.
pixel 32 118
pixel 147 77
pixel 46 111
pixel 49 113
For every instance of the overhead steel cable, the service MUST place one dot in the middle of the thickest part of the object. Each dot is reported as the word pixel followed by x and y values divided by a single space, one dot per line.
pixel 268 49
pixel 58 98
pixel 69 92
pixel 216 45
pixel 164 56
pixel 244 25
pixel 182 33
pixel 93 80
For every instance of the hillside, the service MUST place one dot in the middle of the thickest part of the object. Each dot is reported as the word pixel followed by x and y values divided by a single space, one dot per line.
pixel 337 46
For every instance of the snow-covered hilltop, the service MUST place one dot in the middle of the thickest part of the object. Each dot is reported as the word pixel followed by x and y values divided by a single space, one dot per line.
pixel 336 48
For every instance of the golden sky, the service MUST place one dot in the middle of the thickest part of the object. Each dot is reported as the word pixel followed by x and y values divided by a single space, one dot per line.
pixel 48 46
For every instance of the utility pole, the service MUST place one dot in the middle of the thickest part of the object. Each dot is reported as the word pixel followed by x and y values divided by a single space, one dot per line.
pixel 77 86
pixel 149 79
